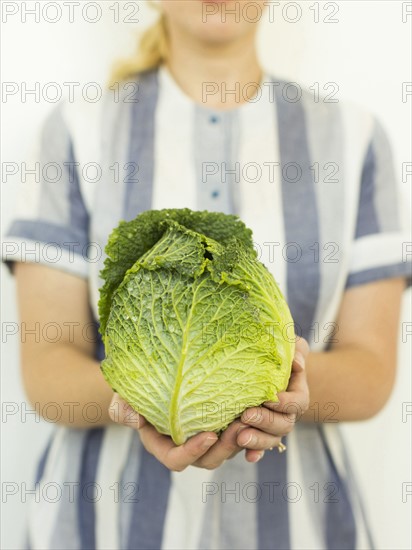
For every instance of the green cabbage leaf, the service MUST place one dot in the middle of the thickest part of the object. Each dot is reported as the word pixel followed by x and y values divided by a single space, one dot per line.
pixel 195 327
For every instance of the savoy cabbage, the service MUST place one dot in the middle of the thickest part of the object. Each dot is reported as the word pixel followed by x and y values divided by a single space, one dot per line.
pixel 193 324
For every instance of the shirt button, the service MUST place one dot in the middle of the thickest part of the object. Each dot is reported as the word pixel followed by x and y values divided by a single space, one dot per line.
pixel 215 194
pixel 214 119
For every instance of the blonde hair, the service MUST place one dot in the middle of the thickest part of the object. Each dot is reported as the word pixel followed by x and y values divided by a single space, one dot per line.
pixel 152 52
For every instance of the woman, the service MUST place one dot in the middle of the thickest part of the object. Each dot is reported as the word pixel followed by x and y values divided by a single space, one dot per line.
pixel 167 136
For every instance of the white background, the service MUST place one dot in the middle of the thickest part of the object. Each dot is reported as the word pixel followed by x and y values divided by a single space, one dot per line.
pixel 367 53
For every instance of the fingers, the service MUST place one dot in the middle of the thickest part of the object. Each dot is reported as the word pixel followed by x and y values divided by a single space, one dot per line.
pixel 295 400
pixel 235 438
pixel 259 429
pixel 301 353
pixel 226 447
pixel 122 413
pixel 274 420
pixel 253 456
pixel 270 421
pixel 297 389
pixel 175 458
pixel 258 440
pixel 302 346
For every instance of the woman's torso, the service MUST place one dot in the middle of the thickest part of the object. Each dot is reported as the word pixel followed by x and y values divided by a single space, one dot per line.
pixel 283 166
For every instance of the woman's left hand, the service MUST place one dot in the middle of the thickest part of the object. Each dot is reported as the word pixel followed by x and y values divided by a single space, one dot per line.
pixel 269 423
pixel 262 428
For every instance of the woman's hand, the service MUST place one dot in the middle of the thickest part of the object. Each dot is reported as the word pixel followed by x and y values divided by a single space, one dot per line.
pixel 259 428
pixel 267 425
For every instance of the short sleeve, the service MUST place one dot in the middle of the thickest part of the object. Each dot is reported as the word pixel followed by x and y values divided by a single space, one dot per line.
pixel 382 247
pixel 51 223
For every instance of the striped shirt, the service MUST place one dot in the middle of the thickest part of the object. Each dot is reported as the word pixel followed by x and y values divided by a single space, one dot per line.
pixel 315 182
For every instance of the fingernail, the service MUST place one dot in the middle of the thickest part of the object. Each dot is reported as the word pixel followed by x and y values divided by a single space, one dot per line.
pixel 250 441
pixel 251 417
pixel 300 360
pixel 208 442
pixel 258 457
